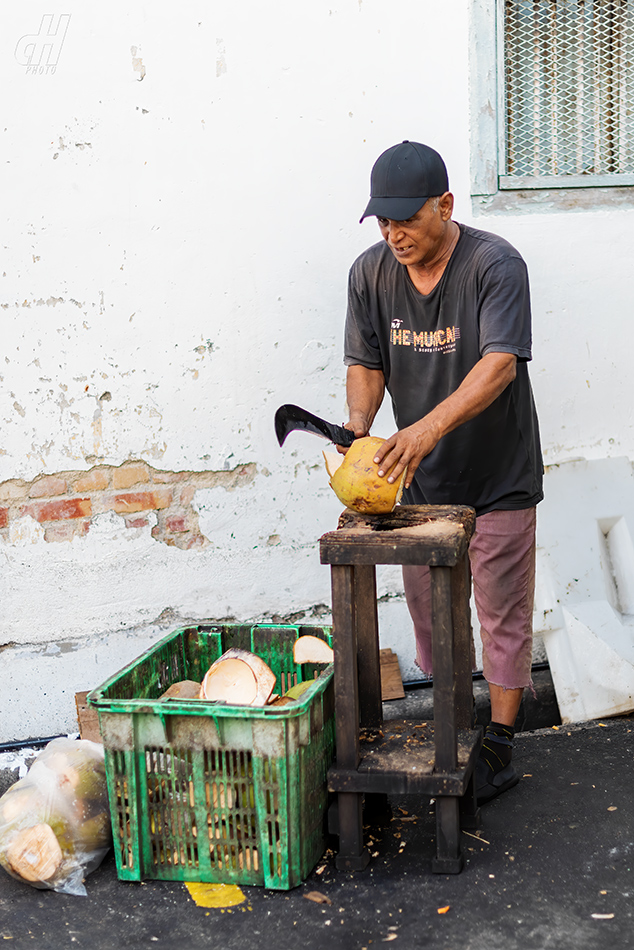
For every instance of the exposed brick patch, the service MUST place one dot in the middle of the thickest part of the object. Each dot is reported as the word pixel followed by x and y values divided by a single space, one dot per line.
pixel 176 523
pixel 171 478
pixel 142 501
pixel 13 489
pixel 131 473
pixel 187 494
pixel 95 480
pixel 74 498
pixel 59 510
pixel 136 522
pixel 102 501
pixel 47 486
pixel 196 541
pixel 65 530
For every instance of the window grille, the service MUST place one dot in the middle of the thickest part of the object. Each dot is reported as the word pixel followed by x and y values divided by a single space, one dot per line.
pixel 568 93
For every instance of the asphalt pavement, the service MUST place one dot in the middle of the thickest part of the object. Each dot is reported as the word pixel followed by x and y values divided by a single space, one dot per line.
pixel 551 867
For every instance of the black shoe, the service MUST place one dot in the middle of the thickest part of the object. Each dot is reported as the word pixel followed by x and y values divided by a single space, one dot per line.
pixel 490 784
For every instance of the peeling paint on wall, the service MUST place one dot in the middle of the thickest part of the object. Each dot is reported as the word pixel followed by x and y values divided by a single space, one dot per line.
pixel 137 62
pixel 221 63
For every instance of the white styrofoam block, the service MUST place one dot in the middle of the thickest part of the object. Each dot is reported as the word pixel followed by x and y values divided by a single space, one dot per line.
pixel 595 678
pixel 585 585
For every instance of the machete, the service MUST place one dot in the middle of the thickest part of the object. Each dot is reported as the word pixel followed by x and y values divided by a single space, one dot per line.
pixel 289 417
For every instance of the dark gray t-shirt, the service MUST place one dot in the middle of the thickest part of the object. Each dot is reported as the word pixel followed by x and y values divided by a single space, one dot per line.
pixel 426 344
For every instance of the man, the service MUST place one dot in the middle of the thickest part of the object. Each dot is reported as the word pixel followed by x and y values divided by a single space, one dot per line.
pixel 439 315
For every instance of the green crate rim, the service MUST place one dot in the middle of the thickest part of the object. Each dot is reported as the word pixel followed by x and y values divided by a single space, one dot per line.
pixel 198 707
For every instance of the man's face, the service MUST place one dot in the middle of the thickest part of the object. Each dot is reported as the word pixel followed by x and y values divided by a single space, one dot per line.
pixel 419 240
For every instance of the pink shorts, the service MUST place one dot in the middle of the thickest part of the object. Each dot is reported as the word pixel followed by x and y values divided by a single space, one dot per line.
pixel 502 555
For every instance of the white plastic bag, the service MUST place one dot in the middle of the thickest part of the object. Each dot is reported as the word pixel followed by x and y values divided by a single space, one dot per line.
pixel 55 823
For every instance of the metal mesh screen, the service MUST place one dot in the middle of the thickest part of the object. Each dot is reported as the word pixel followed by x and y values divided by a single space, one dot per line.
pixel 569 89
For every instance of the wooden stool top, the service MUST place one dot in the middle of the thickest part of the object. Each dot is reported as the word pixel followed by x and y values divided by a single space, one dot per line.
pixel 437 535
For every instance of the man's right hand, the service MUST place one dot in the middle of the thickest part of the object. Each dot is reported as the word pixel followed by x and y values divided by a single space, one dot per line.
pixel 357 424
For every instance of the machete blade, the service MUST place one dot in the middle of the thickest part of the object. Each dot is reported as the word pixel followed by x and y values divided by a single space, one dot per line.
pixel 290 417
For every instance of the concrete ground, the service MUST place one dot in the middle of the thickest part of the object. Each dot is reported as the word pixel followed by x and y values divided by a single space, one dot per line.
pixel 551 867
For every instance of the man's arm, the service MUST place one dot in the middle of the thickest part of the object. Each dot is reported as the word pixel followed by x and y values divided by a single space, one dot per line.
pixel 482 385
pixel 364 391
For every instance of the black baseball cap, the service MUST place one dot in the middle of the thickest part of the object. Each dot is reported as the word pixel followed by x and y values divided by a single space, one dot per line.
pixel 402 180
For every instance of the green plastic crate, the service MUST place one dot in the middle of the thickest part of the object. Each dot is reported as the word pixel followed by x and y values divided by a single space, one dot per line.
pixel 209 792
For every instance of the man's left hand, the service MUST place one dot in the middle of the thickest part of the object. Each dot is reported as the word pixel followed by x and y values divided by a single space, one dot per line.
pixel 405 450
pixel 482 384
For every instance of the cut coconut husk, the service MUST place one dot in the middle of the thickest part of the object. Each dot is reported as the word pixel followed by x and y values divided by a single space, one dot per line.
pixel 34 854
pixel 356 481
pixel 238 678
pixel 333 460
pixel 298 690
pixel 185 689
pixel 19 800
pixel 54 822
pixel 73 767
pixel 311 649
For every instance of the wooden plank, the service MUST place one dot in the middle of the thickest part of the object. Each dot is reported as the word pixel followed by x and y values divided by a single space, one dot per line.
pixel 411 534
pixel 87 718
pixel 406 515
pixel 400 758
pixel 409 746
pixel 391 681
pixel 395 783
pixel 435 544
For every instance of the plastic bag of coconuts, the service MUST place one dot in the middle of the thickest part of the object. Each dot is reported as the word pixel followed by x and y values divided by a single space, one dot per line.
pixel 55 823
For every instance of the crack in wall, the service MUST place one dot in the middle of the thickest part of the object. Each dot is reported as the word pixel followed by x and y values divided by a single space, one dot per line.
pixel 169 619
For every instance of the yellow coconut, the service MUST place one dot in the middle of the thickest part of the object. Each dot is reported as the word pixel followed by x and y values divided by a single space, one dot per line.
pixel 355 480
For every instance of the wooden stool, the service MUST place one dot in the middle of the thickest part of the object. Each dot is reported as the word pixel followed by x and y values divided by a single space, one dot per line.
pixel 400 756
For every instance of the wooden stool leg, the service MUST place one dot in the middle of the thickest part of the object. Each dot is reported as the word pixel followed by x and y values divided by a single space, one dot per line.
pixel 463 642
pixel 463 646
pixel 449 859
pixel 470 817
pixel 369 669
pixel 352 855
pixel 376 806
pixel 442 646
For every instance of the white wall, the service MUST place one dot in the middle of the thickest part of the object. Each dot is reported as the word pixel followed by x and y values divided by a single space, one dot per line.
pixel 181 198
